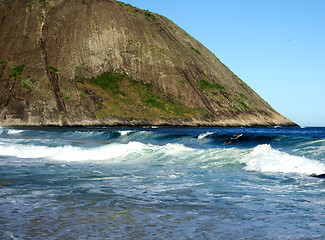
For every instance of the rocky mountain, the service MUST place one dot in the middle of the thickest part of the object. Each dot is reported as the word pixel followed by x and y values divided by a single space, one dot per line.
pixel 104 62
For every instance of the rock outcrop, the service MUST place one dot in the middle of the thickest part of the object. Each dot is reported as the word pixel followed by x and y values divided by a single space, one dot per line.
pixel 103 62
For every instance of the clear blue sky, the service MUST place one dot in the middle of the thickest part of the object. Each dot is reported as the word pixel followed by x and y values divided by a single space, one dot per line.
pixel 276 46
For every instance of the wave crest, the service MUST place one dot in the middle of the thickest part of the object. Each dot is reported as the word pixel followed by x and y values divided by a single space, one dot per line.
pixel 264 158
pixel 123 152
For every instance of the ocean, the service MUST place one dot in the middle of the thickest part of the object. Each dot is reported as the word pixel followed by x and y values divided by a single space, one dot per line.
pixel 162 183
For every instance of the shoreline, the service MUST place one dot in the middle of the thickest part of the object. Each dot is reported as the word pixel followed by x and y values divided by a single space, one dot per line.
pixel 148 126
pixel 243 120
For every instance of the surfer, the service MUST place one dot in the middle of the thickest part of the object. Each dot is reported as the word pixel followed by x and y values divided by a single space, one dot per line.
pixel 238 136
pixel 233 138
pixel 201 136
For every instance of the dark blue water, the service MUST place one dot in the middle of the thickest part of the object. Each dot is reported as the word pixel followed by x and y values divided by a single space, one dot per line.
pixel 162 183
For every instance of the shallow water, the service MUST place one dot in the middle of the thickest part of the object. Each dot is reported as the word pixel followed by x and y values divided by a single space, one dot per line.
pixel 162 183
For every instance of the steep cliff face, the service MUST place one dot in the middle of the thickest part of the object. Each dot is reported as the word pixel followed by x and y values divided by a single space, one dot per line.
pixel 102 62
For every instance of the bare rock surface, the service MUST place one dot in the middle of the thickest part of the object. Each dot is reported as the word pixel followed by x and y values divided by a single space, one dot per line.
pixel 103 62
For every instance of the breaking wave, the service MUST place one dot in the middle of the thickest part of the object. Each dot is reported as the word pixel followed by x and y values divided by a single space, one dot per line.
pixel 264 158
pixel 249 152
pixel 129 151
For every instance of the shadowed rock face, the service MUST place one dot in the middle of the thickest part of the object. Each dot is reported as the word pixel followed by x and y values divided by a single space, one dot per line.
pixel 102 62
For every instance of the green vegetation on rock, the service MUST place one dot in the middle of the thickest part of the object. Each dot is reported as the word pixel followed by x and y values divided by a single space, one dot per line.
pixel 65 93
pixel 28 84
pixel 195 50
pixel 209 87
pixel 125 4
pixel 121 96
pixel 53 70
pixel 16 71
pixel 241 104
pixel 30 5
pixel 243 96
pixel 149 14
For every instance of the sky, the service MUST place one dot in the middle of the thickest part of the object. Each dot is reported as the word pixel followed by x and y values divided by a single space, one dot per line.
pixel 276 46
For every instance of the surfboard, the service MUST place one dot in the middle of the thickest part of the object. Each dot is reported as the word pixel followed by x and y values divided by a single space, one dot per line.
pixel 203 135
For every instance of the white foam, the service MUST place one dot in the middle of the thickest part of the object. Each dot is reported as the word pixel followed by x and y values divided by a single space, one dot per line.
pixel 203 135
pixel 25 151
pixel 134 151
pixel 14 131
pixel 10 131
pixel 174 149
pixel 264 158
pixel 125 132
pixel 71 153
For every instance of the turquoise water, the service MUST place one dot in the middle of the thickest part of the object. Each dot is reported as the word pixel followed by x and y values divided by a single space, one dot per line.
pixel 162 183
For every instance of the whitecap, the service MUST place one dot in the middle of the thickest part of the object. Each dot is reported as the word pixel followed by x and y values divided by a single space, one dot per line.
pixel 264 158
pixel 15 131
pixel 125 132
pixel 203 135
pixel 135 150
pixel 10 130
